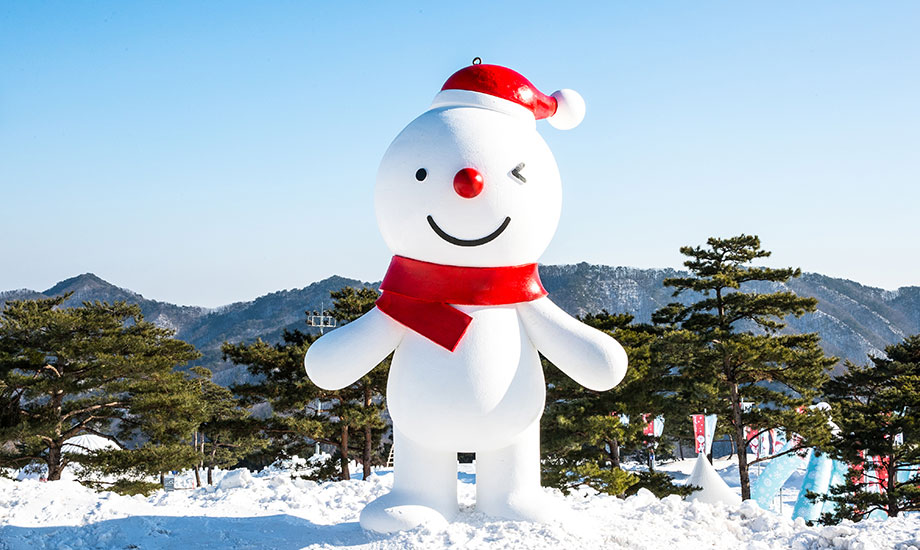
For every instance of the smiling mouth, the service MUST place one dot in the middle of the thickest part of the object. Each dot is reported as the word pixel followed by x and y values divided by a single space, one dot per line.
pixel 469 242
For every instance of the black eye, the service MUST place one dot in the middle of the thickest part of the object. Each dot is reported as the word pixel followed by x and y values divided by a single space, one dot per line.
pixel 421 174
pixel 516 172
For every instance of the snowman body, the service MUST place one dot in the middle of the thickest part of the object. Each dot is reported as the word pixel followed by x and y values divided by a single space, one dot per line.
pixel 468 184
pixel 477 398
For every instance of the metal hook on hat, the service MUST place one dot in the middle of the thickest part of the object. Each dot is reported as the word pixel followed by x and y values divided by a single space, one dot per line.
pixel 477 60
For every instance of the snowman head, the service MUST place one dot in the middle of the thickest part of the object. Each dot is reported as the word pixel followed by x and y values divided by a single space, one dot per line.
pixel 470 182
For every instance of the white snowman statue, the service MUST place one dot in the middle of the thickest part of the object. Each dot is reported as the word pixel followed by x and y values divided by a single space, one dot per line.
pixel 468 196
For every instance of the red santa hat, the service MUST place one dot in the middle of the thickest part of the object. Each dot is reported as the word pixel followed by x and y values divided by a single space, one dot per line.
pixel 502 89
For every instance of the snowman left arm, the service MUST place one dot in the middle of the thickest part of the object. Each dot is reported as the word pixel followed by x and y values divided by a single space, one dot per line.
pixel 590 357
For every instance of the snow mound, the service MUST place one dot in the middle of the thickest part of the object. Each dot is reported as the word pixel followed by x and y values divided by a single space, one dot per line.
pixel 713 489
pixel 235 479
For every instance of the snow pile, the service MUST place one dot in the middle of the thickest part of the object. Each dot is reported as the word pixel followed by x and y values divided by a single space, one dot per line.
pixel 713 488
pixel 235 479
pixel 273 511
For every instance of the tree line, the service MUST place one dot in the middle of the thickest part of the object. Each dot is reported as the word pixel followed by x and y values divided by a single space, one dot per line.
pixel 720 347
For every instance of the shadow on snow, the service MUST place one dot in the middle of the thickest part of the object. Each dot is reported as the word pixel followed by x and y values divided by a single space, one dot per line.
pixel 279 532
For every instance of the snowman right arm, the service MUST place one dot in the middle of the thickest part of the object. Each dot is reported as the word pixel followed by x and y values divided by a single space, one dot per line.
pixel 344 355
pixel 587 355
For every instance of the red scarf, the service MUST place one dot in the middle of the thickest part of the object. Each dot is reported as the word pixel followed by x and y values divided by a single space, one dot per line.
pixel 418 294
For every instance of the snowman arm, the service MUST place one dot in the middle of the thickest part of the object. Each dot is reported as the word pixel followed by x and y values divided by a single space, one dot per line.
pixel 341 357
pixel 590 357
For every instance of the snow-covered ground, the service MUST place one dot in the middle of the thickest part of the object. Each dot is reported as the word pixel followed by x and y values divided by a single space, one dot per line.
pixel 272 511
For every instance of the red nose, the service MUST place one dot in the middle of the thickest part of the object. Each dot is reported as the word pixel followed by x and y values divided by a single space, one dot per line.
pixel 468 183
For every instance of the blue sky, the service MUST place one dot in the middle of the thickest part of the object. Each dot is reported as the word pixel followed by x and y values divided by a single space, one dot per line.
pixel 204 153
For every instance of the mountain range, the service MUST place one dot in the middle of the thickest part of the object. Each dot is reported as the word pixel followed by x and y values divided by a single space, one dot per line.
pixel 854 320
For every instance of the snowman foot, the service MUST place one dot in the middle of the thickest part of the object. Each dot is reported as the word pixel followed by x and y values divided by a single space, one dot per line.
pixel 393 512
pixel 535 506
pixel 508 482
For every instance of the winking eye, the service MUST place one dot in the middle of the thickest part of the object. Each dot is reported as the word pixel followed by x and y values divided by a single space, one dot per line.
pixel 516 172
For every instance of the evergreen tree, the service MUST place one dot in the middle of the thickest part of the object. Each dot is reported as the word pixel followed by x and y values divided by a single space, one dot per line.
pixel 877 408
pixel 228 432
pixel 304 413
pixel 685 397
pixel 362 403
pixel 281 382
pixel 733 351
pixel 581 430
pixel 163 417
pixel 80 370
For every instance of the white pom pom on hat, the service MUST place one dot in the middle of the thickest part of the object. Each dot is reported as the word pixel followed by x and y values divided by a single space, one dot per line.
pixel 570 109
pixel 564 109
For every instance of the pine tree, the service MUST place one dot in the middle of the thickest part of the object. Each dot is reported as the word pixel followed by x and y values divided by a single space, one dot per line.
pixel 685 396
pixel 303 412
pixel 366 404
pixel 67 371
pixel 581 430
pixel 228 432
pixel 877 408
pixel 295 422
pixel 163 419
pixel 732 350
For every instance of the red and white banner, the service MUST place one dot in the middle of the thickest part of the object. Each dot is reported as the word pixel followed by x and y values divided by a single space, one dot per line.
pixel 881 473
pixel 779 440
pixel 649 428
pixel 699 432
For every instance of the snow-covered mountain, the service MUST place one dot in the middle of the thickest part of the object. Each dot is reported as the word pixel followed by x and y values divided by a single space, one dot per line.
pixel 853 320
pixel 265 317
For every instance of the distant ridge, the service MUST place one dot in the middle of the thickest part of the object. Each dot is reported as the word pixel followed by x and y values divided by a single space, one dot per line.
pixel 86 281
pixel 853 320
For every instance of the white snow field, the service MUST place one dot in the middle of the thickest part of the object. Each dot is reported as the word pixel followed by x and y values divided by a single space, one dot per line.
pixel 271 511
